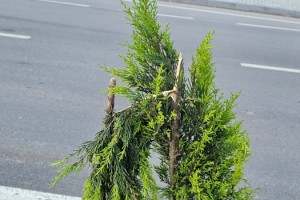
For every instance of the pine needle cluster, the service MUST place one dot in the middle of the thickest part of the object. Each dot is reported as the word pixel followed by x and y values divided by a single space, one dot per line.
pixel 187 122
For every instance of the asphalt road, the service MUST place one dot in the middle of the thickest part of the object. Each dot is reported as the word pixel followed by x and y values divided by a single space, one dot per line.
pixel 50 85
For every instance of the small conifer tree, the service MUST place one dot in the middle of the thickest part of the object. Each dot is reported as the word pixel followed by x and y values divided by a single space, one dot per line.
pixel 187 122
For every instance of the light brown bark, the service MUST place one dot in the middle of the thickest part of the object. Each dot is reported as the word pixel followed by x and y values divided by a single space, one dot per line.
pixel 175 135
pixel 111 97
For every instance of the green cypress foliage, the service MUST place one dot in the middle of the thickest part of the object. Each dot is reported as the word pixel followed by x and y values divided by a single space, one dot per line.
pixel 187 122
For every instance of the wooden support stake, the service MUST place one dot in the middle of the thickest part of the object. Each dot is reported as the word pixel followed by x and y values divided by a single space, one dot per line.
pixel 174 141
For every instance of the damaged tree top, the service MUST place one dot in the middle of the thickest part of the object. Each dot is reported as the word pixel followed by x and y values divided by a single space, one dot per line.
pixel 201 147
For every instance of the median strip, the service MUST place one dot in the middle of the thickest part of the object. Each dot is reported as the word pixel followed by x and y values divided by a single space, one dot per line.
pixel 66 3
pixel 266 67
pixel 24 37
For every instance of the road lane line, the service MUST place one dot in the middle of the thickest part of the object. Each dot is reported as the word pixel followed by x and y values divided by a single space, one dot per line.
pixel 9 193
pixel 65 3
pixel 270 68
pixel 268 27
pixel 182 7
pixel 176 16
pixel 24 37
pixel 228 14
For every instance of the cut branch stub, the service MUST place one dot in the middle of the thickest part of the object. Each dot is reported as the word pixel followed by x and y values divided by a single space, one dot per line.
pixel 175 92
pixel 111 97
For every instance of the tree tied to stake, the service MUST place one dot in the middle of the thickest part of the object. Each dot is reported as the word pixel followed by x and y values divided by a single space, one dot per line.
pixel 201 147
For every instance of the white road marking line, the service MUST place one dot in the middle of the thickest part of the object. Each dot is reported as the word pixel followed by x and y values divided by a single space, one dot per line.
pixel 270 68
pixel 9 193
pixel 24 37
pixel 268 27
pixel 182 7
pixel 65 3
pixel 176 16
pixel 229 14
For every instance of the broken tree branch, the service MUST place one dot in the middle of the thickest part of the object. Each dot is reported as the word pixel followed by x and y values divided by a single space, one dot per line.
pixel 111 97
pixel 164 93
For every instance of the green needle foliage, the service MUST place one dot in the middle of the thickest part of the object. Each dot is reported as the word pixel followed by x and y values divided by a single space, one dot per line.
pixel 187 122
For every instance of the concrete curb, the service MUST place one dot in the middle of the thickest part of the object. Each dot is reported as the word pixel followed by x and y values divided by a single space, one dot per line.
pixel 238 6
pixel 9 193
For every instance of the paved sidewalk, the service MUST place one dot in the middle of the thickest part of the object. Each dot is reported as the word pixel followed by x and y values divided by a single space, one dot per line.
pixel 278 7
